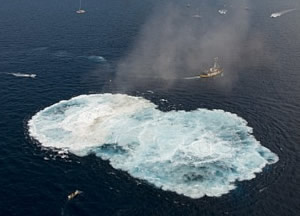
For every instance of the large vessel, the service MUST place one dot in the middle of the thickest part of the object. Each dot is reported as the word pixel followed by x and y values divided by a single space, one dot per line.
pixel 213 71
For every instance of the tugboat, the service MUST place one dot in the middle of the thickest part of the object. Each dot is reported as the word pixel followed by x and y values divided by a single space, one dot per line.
pixel 213 71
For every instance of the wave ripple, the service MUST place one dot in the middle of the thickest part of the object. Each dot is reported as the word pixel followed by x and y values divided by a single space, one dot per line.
pixel 196 153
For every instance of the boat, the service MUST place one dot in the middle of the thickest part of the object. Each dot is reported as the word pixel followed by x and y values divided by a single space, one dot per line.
pixel 213 71
pixel 222 11
pixel 74 194
pixel 80 11
pixel 197 16
pixel 23 75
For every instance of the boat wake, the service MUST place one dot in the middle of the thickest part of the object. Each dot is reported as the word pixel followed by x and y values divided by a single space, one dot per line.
pixel 96 59
pixel 278 14
pixel 194 77
pixel 195 153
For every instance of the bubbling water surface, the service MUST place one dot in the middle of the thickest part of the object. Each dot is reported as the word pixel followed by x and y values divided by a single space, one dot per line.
pixel 195 153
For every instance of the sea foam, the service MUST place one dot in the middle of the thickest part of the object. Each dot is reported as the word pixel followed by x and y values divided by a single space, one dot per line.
pixel 195 153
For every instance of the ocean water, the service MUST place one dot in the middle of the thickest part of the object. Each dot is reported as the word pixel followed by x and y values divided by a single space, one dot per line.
pixel 73 55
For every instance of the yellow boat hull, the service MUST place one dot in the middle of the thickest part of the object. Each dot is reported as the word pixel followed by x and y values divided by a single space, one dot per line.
pixel 211 74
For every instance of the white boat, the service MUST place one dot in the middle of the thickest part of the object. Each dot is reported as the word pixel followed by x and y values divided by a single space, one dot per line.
pixel 80 11
pixel 197 16
pixel 280 13
pixel 23 75
pixel 222 11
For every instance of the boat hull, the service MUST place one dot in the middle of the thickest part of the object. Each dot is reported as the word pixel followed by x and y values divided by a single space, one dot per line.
pixel 211 74
pixel 80 11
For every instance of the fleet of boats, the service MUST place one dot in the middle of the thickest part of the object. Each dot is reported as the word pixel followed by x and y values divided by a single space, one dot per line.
pixel 211 72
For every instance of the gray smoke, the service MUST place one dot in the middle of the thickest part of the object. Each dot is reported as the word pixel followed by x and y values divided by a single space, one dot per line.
pixel 174 44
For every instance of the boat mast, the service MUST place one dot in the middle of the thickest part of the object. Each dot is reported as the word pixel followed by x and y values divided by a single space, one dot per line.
pixel 216 65
pixel 79 4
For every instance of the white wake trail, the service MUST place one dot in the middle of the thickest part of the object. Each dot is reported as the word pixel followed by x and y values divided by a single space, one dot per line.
pixel 278 14
pixel 194 77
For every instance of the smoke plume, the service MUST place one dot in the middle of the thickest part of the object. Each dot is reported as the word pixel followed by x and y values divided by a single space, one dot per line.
pixel 174 43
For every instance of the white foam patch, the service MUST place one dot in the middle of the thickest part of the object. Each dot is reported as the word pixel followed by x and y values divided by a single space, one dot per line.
pixel 196 153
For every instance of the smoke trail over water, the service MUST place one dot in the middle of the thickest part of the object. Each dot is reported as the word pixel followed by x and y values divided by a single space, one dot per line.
pixel 173 44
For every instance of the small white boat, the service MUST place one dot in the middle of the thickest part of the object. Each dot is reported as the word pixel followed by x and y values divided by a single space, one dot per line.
pixel 74 194
pixel 23 75
pixel 80 11
pixel 197 16
pixel 222 11
pixel 280 13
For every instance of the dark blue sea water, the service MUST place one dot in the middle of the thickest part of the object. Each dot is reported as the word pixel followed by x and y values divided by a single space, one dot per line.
pixel 49 39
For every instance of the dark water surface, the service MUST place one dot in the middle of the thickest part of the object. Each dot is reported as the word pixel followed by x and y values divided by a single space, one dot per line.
pixel 49 39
